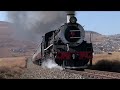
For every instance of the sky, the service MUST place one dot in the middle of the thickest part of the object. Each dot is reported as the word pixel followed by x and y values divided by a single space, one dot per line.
pixel 103 22
pixel 3 16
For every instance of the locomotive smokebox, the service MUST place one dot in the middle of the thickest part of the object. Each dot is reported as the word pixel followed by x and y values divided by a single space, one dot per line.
pixel 69 15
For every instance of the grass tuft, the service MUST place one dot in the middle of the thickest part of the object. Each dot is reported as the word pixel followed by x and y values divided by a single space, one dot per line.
pixel 106 65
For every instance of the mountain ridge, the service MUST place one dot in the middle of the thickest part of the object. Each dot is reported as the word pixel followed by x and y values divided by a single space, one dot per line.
pixel 101 43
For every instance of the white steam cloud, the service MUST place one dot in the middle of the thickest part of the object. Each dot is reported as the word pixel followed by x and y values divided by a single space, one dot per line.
pixel 49 63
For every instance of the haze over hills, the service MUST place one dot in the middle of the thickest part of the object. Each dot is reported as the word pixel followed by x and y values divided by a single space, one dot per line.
pixel 10 46
pixel 104 43
pixel 94 36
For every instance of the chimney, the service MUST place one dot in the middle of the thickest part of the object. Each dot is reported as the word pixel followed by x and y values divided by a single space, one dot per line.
pixel 69 15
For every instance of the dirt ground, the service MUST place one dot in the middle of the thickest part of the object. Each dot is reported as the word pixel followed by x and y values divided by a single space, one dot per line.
pixel 12 67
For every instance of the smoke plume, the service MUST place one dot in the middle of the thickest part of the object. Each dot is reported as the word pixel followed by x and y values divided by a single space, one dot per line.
pixel 70 12
pixel 31 25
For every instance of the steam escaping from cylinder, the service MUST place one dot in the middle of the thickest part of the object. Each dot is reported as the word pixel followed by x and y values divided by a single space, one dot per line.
pixel 49 63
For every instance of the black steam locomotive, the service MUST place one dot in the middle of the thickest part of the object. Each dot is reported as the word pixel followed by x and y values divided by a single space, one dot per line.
pixel 66 46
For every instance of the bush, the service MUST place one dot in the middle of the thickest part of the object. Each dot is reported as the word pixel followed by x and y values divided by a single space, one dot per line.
pixel 105 65
pixel 7 73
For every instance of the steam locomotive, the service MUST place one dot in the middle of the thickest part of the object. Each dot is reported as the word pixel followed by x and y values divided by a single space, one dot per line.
pixel 66 46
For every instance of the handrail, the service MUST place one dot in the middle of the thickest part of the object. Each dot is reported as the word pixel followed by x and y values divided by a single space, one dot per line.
pixel 48 47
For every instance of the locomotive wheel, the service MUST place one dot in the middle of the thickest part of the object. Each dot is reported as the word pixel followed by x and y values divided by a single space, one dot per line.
pixel 80 69
pixel 40 62
pixel 63 65
pixel 36 62
pixel 90 62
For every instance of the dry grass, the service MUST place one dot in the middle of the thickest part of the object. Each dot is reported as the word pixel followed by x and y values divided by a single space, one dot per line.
pixel 13 62
pixel 10 73
pixel 12 67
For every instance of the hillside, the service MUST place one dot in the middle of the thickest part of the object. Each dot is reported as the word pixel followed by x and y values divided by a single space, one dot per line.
pixel 102 43
pixel 95 37
pixel 9 46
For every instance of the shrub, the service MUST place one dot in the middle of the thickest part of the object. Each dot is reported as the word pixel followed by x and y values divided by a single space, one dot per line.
pixel 105 65
pixel 7 73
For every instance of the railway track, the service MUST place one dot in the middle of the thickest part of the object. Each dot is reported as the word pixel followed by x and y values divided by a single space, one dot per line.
pixel 95 74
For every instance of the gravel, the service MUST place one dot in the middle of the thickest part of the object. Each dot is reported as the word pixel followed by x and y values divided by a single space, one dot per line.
pixel 37 72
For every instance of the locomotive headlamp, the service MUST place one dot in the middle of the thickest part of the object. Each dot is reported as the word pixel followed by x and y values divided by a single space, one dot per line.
pixel 73 19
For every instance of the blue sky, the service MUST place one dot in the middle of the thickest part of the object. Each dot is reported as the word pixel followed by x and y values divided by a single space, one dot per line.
pixel 3 16
pixel 104 22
